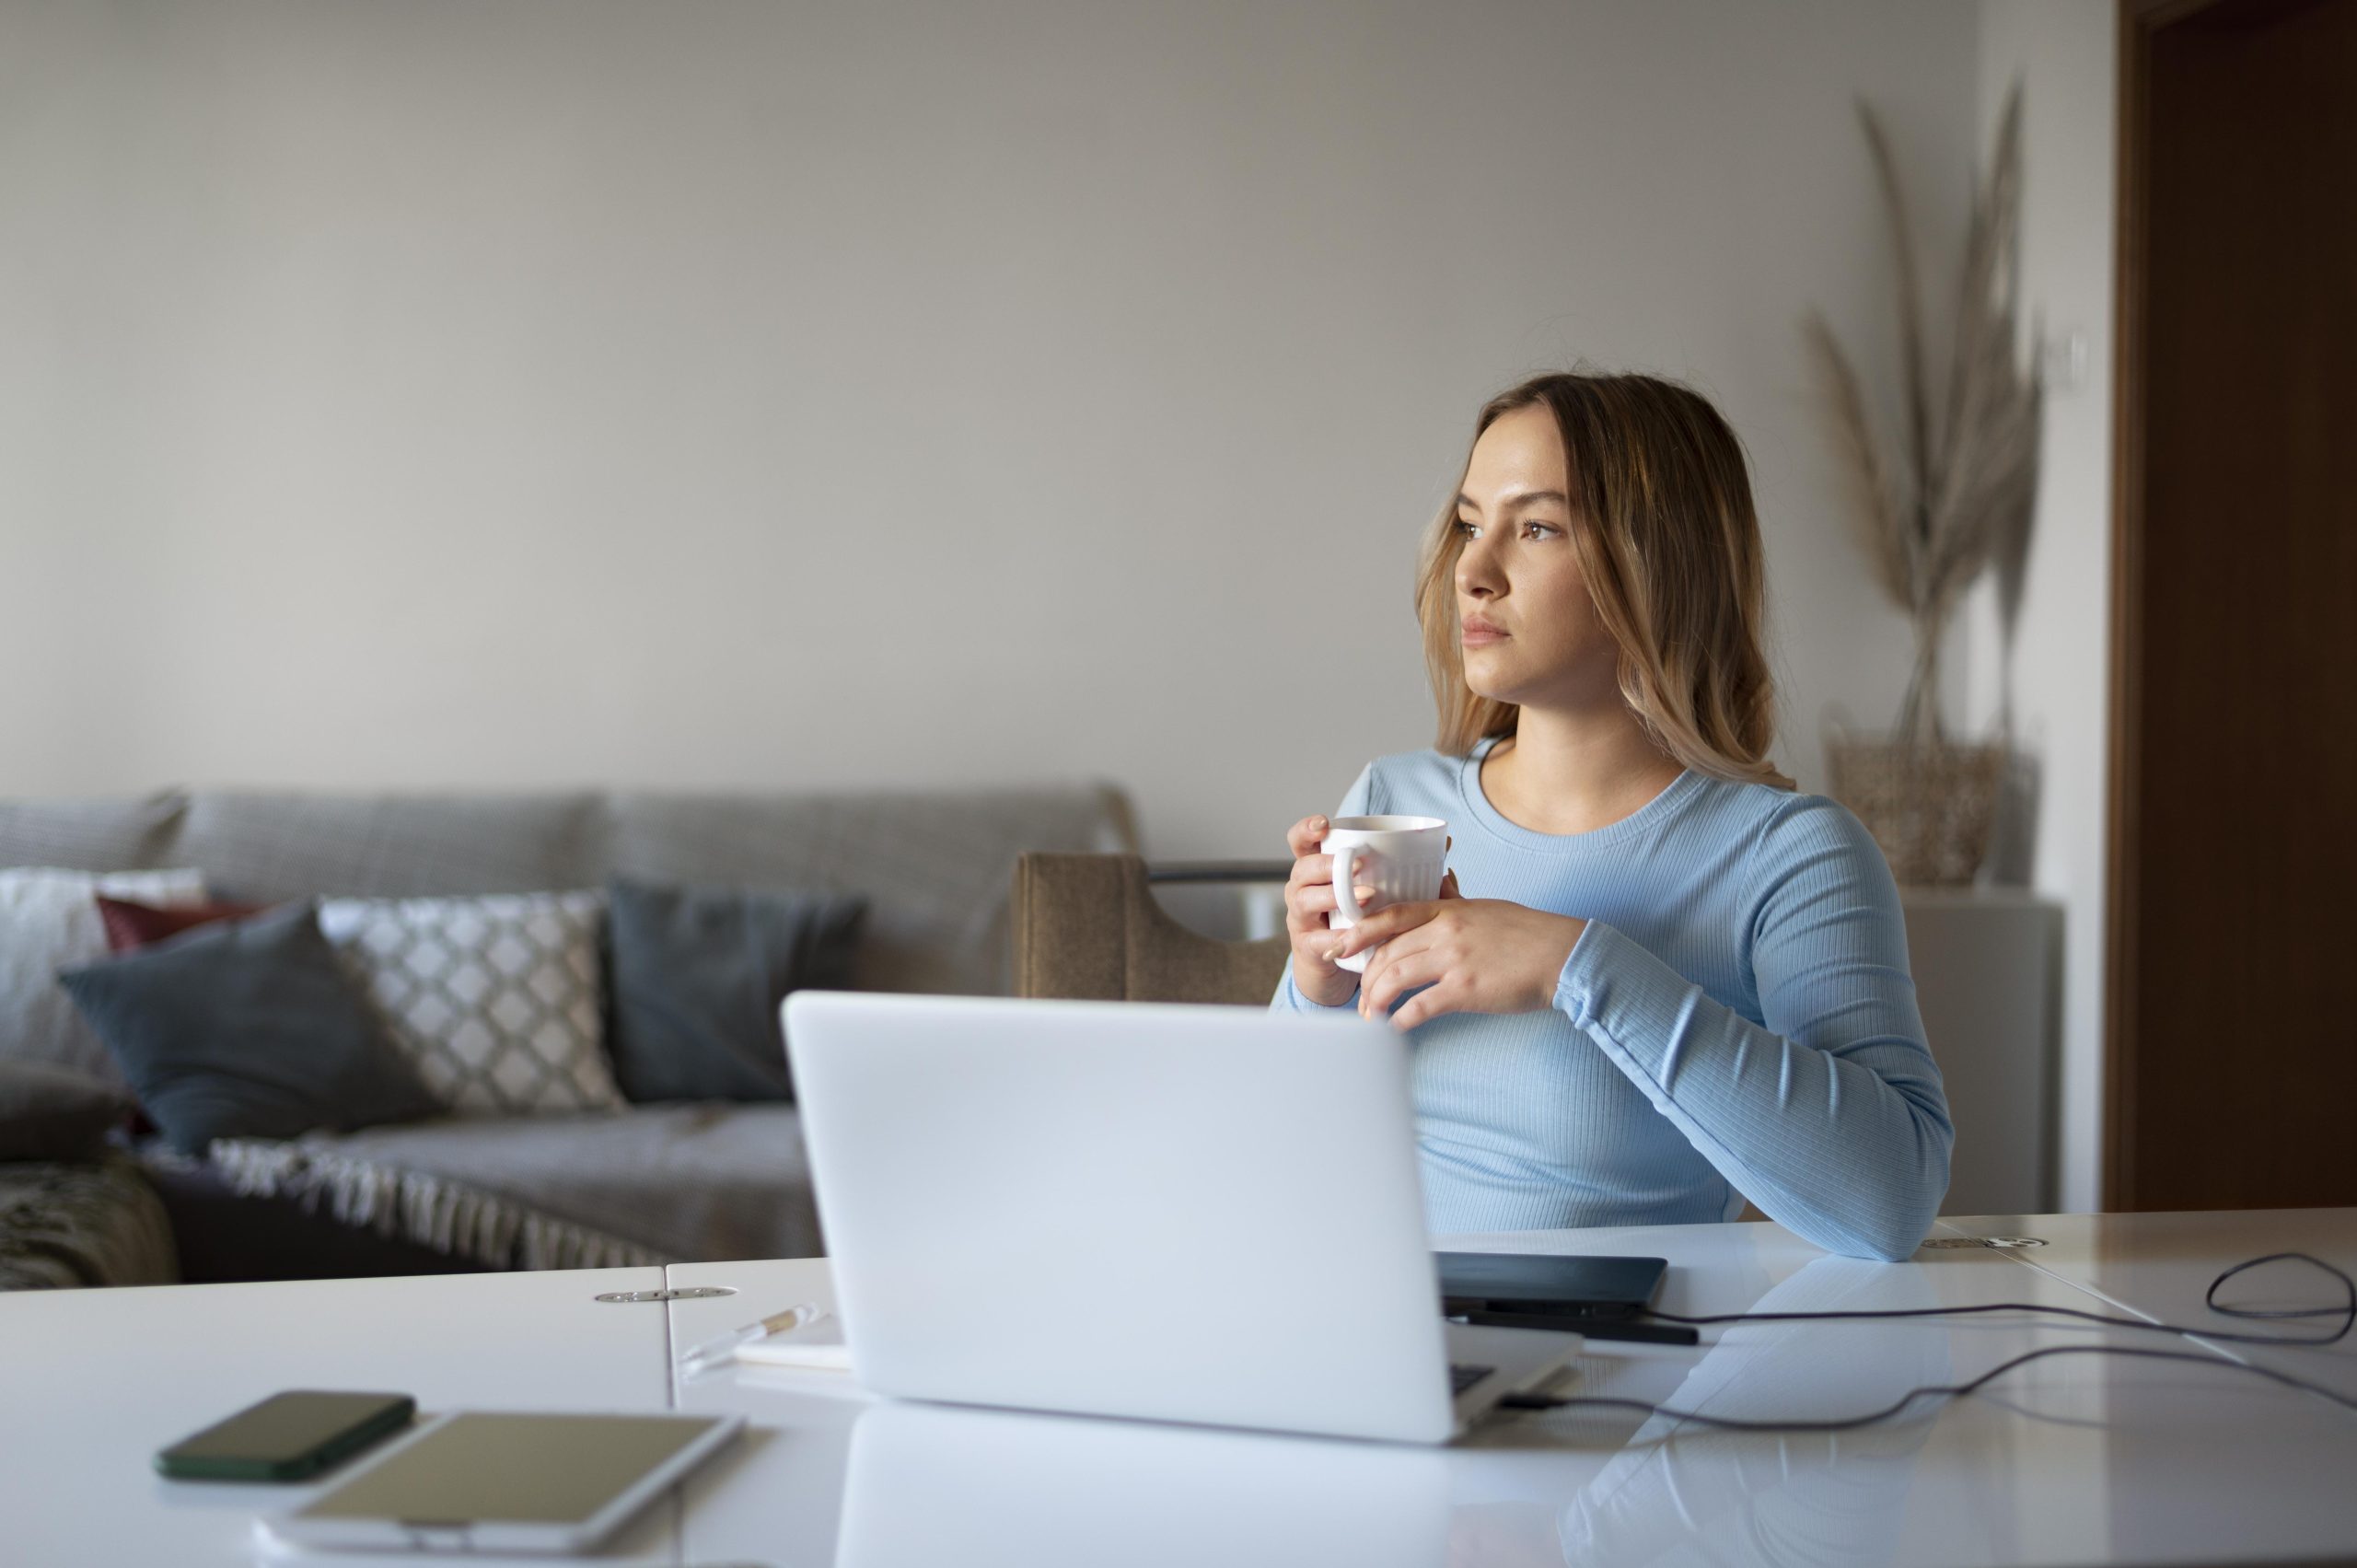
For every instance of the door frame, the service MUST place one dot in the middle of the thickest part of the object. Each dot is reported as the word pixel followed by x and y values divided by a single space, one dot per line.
pixel 2139 21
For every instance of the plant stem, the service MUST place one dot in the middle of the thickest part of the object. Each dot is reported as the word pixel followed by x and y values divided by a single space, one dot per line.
pixel 1919 715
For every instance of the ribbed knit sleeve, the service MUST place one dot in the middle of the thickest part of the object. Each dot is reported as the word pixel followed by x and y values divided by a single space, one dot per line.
pixel 1736 1020
pixel 1357 801
pixel 1830 1115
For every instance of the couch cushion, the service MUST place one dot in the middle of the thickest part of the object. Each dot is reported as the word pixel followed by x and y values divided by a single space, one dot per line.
pixel 247 1027
pixel 49 921
pixel 130 925
pixel 497 1000
pixel 697 975
pixel 679 1183
pixel 935 867
pixel 266 848
pixel 90 834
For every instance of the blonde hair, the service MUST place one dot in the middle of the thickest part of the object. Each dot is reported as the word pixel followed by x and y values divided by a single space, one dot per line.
pixel 1669 544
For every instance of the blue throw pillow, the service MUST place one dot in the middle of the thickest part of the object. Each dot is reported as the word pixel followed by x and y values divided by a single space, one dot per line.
pixel 247 1028
pixel 697 974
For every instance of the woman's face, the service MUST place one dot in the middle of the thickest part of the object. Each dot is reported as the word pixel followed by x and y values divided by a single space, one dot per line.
pixel 1527 626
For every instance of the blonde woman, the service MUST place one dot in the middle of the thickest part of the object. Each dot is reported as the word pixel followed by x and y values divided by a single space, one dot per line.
pixel 1658 980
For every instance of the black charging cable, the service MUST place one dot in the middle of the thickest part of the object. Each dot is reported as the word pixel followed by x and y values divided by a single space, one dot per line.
pixel 2346 1313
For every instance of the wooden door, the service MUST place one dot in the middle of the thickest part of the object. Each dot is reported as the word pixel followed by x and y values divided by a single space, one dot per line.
pixel 2231 1076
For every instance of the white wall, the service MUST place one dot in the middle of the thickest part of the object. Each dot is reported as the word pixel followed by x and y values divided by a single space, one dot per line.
pixel 508 392
pixel 2064 53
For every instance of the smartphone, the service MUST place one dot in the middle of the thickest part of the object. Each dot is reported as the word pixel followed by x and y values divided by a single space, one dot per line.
pixel 289 1437
pixel 496 1480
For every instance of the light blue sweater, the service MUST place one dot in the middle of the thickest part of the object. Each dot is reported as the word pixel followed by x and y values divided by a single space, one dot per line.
pixel 1737 1020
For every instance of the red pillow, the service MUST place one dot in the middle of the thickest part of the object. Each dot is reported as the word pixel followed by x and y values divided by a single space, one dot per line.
pixel 131 925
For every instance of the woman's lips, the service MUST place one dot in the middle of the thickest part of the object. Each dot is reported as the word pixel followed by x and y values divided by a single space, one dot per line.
pixel 1480 637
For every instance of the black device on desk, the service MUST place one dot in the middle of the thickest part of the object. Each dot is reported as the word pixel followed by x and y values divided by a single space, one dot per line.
pixel 1603 1298
pixel 289 1437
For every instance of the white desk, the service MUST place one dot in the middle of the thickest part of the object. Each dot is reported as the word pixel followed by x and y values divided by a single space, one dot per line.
pixel 92 1382
pixel 2076 1459
pixel 2158 1266
pixel 2072 1459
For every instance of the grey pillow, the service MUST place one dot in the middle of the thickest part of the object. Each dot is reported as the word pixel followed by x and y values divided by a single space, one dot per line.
pixel 53 1113
pixel 697 974
pixel 247 1028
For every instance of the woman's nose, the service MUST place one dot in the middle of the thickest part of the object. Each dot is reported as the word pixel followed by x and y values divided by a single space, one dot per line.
pixel 1476 571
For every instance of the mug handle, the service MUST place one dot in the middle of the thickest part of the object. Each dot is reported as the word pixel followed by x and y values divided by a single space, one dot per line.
pixel 1346 900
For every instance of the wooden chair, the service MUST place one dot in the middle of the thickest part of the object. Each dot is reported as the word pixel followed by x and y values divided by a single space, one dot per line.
pixel 1087 927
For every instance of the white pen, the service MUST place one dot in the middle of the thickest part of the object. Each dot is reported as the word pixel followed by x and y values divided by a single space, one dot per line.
pixel 719 1352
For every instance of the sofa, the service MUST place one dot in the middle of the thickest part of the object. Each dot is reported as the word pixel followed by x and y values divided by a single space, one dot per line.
pixel 654 1182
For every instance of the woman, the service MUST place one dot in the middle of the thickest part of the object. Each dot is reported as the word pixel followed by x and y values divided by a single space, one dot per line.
pixel 1669 982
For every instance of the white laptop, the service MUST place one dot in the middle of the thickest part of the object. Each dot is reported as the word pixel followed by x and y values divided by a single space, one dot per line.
pixel 1189 1213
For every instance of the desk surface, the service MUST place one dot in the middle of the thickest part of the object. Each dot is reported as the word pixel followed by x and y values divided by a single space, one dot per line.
pixel 92 1382
pixel 2158 1266
pixel 2072 1459
pixel 2069 1459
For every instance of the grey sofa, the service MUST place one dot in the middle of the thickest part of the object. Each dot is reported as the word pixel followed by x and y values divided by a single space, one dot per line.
pixel 653 1183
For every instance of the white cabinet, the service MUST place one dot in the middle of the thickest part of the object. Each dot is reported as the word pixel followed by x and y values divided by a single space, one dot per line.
pixel 1987 970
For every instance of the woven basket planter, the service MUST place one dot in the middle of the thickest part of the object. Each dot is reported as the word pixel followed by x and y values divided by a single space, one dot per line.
pixel 1930 808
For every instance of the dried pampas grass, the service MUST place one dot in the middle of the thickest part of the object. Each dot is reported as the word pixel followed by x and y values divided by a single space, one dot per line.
pixel 1957 494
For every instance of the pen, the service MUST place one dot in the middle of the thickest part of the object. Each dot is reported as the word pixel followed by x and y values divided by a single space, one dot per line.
pixel 719 1352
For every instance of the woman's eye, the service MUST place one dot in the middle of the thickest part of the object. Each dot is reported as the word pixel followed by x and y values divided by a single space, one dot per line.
pixel 1539 530
pixel 1469 529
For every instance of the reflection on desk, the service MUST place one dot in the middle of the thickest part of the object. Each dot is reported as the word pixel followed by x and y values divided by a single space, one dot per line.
pixel 1830 1498
pixel 931 1484
pixel 2080 1459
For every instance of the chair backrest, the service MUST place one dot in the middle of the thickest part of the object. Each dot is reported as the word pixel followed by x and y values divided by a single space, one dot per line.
pixel 1087 927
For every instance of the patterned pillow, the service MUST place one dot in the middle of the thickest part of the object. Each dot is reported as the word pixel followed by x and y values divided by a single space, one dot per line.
pixel 494 999
pixel 47 923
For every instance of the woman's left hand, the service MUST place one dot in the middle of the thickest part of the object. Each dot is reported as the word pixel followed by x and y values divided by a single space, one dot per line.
pixel 1477 955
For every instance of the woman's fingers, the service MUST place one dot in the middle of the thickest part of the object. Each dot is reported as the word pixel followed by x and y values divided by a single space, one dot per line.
pixel 1311 903
pixel 1410 948
pixel 1388 923
pixel 1311 870
pixel 1305 835
pixel 1427 1004
pixel 1391 976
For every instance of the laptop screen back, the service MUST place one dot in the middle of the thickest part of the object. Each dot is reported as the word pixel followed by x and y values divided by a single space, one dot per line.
pixel 1190 1213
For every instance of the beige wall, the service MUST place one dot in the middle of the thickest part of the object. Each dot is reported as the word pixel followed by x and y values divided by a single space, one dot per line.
pixel 519 391
pixel 510 392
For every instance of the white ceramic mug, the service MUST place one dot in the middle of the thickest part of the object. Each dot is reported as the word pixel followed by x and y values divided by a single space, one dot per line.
pixel 1402 858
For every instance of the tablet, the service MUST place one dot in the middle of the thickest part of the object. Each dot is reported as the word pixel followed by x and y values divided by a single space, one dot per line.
pixel 484 1480
pixel 1548 1283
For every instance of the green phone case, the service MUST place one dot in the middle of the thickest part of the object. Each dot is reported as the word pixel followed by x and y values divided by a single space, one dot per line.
pixel 196 1458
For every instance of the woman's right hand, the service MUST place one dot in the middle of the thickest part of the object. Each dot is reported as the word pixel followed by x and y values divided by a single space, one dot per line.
pixel 1310 899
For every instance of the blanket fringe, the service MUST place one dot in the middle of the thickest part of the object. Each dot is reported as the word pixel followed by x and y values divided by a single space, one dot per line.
pixel 431 1211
